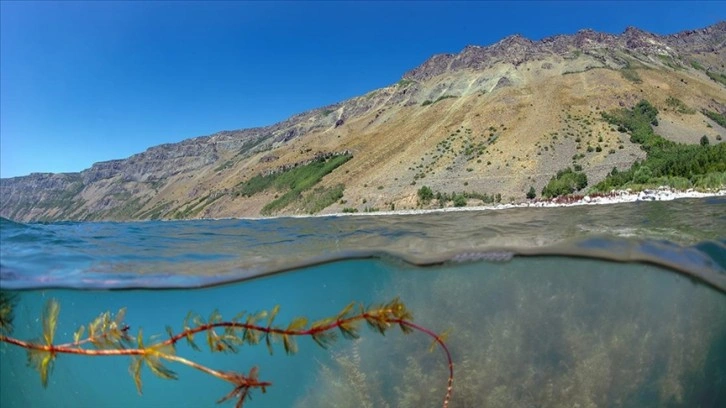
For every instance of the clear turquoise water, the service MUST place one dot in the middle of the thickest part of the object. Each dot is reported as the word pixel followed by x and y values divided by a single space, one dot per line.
pixel 620 305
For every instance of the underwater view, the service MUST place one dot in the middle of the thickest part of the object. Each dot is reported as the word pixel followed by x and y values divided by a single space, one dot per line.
pixel 535 307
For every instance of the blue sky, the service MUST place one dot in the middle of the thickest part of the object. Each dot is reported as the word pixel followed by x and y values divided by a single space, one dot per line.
pixel 82 82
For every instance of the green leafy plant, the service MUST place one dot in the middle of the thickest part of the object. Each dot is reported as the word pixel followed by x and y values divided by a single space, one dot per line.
pixel 425 194
pixel 403 83
pixel 298 178
pixel 565 182
pixel 666 161
pixel 631 75
pixel 321 197
pixel 293 182
pixel 109 335
pixel 7 307
pixel 678 105
pixel 440 98
pixel 717 76
pixel 716 117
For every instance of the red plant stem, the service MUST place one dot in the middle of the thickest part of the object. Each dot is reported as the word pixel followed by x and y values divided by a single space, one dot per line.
pixel 308 332
pixel 380 316
pixel 437 339
pixel 251 382
pixel 71 350
pixel 325 328
pixel 121 352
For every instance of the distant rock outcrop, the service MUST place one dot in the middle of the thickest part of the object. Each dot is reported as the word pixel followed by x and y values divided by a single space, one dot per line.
pixel 516 49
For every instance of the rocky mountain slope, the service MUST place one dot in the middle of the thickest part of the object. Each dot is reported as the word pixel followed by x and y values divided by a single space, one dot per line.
pixel 493 120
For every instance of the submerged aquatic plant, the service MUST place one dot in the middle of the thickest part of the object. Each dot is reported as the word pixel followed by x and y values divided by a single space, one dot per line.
pixel 7 306
pixel 546 332
pixel 109 335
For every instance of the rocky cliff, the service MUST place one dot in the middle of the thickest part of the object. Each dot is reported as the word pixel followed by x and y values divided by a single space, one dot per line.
pixel 494 119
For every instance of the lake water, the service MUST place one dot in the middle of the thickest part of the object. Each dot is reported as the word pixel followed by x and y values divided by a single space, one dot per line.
pixel 611 305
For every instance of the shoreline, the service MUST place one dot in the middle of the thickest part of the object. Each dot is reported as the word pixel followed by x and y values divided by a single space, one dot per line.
pixel 614 197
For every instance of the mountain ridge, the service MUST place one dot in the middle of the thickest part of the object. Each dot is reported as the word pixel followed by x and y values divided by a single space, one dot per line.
pixel 475 56
pixel 496 82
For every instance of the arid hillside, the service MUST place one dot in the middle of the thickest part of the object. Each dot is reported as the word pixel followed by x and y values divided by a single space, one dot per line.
pixel 492 120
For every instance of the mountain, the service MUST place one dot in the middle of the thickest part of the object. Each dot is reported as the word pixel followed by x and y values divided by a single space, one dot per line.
pixel 492 120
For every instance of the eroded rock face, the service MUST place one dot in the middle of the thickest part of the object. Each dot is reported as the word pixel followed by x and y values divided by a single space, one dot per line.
pixel 708 39
pixel 42 181
pixel 517 49
pixel 269 158
pixel 31 196
pixel 503 81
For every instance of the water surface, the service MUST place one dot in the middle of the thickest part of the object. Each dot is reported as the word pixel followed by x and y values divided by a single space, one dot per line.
pixel 619 305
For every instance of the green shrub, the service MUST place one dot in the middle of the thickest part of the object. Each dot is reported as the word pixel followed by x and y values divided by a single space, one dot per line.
pixel 679 183
pixel 716 117
pixel 704 140
pixel 300 177
pixel 321 198
pixel 442 97
pixel 637 121
pixel 460 199
pixel 679 106
pixel 710 180
pixel 642 175
pixel 631 75
pixel 295 181
pixel 565 182
pixel 531 193
pixel 425 194
pixel 404 83
pixel 224 166
pixel 717 76
pixel 665 160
